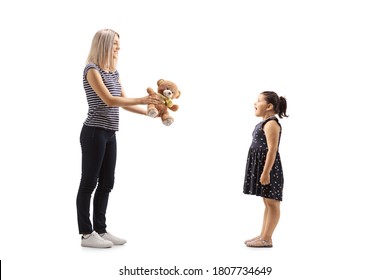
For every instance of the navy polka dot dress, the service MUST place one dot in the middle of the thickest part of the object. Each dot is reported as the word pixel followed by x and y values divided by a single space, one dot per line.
pixel 255 164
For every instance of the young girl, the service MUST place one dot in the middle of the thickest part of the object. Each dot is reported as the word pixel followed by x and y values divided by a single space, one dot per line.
pixel 98 141
pixel 264 174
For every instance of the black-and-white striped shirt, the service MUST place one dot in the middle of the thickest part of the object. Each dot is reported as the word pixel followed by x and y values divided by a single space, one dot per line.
pixel 99 114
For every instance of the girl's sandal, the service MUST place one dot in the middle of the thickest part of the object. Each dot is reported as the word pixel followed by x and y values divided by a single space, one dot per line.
pixel 260 243
pixel 253 239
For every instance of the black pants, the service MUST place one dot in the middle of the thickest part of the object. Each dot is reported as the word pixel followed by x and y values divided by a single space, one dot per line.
pixel 98 146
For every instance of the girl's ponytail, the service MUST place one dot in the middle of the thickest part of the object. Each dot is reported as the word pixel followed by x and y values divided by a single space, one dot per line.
pixel 282 107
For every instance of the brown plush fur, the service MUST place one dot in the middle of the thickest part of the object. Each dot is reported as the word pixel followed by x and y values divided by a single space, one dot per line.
pixel 167 91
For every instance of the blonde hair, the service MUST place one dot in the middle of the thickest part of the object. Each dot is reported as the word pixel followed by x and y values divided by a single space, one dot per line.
pixel 101 49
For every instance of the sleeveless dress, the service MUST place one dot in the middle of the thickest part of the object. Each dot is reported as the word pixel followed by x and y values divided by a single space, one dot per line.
pixel 255 164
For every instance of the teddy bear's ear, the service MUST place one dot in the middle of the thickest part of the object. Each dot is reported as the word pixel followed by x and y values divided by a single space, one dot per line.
pixel 159 82
pixel 179 94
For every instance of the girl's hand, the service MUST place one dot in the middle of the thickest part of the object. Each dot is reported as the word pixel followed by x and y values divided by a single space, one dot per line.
pixel 265 178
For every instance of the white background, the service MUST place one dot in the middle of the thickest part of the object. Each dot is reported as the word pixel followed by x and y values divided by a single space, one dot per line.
pixel 178 194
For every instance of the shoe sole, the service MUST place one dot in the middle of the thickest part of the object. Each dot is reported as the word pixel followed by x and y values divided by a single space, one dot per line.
pixel 84 246
pixel 99 247
pixel 269 246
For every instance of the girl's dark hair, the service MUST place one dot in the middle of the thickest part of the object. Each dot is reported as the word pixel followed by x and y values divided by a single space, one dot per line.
pixel 280 103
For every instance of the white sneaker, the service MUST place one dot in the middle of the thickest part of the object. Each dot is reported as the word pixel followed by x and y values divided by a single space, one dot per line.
pixel 95 241
pixel 115 240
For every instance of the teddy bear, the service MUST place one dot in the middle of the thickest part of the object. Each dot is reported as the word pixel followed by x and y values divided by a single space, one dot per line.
pixel 167 91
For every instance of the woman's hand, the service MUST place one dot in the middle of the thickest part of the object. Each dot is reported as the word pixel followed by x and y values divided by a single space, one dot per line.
pixel 150 100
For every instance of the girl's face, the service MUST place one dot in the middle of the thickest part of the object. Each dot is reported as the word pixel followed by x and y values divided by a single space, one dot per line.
pixel 262 108
pixel 116 47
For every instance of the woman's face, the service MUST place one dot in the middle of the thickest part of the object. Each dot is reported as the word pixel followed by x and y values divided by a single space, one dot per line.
pixel 116 47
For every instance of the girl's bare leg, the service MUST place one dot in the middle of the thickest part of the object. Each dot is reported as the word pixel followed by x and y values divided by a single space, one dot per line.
pixel 271 219
pixel 262 229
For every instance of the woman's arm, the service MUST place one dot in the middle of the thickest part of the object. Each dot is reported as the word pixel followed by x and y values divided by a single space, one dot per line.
pixel 271 130
pixel 134 109
pixel 97 84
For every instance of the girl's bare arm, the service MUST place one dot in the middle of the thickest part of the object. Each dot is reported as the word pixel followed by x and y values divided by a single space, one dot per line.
pixel 271 130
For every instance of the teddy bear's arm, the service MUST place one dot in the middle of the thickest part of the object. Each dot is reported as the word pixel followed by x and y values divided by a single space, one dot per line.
pixel 174 108
pixel 151 91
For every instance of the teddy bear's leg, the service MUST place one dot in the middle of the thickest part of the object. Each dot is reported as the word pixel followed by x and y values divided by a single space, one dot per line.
pixel 167 119
pixel 152 111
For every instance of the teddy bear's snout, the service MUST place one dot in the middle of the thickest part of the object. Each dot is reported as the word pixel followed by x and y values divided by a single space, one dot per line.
pixel 167 93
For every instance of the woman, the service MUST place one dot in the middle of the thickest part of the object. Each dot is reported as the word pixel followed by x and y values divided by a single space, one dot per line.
pixel 98 143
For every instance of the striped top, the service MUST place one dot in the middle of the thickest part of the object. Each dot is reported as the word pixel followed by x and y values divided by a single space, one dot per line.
pixel 99 114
